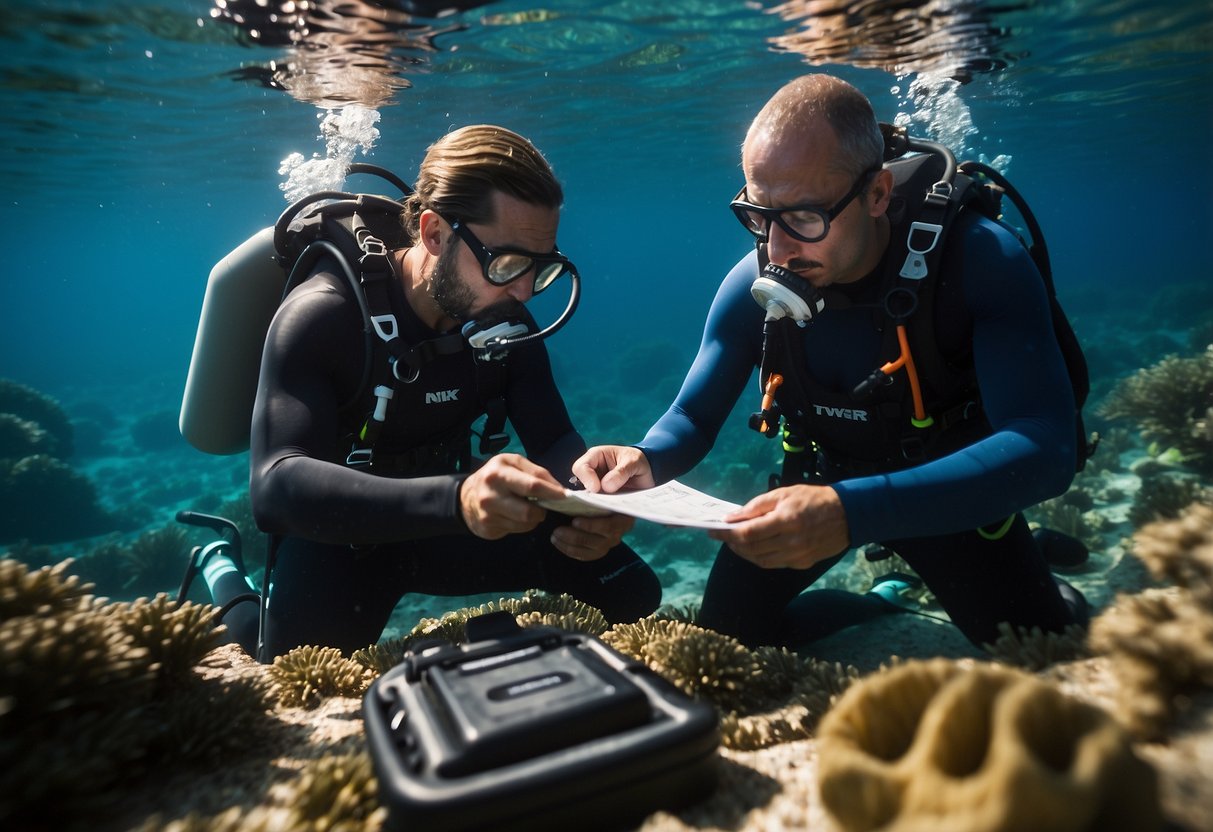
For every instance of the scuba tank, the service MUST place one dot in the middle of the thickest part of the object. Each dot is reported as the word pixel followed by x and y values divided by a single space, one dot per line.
pixel 242 295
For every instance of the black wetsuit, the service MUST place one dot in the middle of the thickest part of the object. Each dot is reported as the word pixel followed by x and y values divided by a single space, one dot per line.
pixel 929 513
pixel 353 541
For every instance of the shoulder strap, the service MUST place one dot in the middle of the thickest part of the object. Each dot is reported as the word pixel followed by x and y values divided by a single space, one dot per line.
pixel 1067 340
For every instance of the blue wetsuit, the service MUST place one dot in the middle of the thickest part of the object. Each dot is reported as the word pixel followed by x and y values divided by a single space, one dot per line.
pixel 353 541
pixel 993 302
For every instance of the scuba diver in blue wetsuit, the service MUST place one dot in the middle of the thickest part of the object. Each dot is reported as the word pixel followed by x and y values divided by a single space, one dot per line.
pixel 934 460
pixel 369 488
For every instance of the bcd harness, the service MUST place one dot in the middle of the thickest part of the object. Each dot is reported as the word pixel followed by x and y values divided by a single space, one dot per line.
pixel 363 229
pixel 920 404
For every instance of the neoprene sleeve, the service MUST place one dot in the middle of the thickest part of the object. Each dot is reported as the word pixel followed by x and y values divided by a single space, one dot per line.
pixel 1026 394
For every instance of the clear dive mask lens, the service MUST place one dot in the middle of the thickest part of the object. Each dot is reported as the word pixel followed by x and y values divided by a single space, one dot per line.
pixel 505 268
pixel 502 266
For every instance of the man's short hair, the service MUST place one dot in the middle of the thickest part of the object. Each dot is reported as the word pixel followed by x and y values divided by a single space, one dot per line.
pixel 847 110
pixel 461 171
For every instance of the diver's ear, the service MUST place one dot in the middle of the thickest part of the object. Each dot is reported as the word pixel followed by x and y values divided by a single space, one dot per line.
pixel 880 191
pixel 430 228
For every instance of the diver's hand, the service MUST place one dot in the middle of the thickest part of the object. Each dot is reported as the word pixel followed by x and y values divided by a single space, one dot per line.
pixel 611 468
pixel 791 527
pixel 497 499
pixel 589 538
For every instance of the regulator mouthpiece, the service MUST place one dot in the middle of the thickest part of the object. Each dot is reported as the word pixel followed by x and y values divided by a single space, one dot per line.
pixel 494 340
pixel 783 294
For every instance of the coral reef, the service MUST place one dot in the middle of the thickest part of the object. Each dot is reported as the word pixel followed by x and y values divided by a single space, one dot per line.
pixel 335 793
pixel 1163 496
pixel 534 607
pixel 763 696
pixel 305 676
pixel 45 501
pixel 151 562
pixel 1068 518
pixel 93 696
pixel 1036 650
pixel 30 407
pixel 1167 401
pixel 699 662
pixel 944 746
pixel 1161 640
pixel 20 438
pixel 155 559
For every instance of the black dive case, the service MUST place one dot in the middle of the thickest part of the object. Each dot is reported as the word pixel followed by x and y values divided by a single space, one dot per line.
pixel 534 728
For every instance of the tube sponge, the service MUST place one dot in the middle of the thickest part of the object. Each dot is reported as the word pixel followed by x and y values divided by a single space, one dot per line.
pixel 942 745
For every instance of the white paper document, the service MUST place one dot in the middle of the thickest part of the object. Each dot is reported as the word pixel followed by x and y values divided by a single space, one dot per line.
pixel 672 504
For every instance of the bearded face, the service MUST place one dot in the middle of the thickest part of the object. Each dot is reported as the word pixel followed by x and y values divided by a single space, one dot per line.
pixel 458 301
pixel 451 294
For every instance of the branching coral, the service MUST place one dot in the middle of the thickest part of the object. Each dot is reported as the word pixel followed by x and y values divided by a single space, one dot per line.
pixel 1070 520
pixel 1034 649
pixel 534 607
pixel 1161 640
pixel 764 697
pixel 703 663
pixel 1182 552
pixel 155 559
pixel 941 746
pixel 93 695
pixel 38 592
pixel 176 638
pixel 1164 497
pixel 335 793
pixel 382 657
pixel 1167 401
pixel 307 675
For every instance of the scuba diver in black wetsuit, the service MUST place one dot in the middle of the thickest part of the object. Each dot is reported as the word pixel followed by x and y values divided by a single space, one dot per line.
pixel 936 470
pixel 364 509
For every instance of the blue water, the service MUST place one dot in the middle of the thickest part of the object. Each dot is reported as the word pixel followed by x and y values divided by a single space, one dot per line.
pixel 138 148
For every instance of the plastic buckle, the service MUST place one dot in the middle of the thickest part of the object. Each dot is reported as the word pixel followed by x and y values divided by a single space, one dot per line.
pixel 360 456
pixel 915 267
pixel 494 442
pixel 374 260
pixel 385 327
